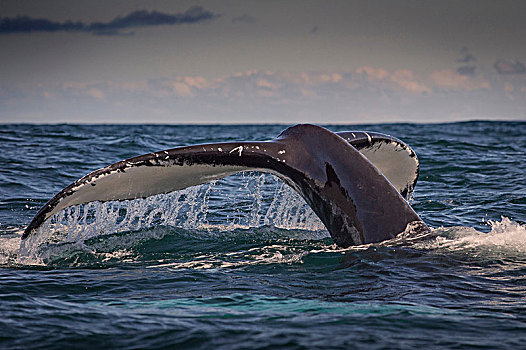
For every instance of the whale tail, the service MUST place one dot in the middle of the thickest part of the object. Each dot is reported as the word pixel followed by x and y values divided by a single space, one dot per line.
pixel 352 197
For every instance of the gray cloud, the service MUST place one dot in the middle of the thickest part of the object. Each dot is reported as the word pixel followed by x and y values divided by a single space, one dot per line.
pixel 468 60
pixel 22 24
pixel 140 18
pixel 508 67
pixel 466 56
pixel 244 19
pixel 466 70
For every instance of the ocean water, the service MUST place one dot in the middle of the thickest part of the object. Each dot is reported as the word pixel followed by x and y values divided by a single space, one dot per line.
pixel 243 263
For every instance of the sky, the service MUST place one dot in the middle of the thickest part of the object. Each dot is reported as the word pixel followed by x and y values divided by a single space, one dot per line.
pixel 328 62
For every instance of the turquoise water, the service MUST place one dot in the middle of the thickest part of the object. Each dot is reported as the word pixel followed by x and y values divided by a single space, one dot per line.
pixel 243 263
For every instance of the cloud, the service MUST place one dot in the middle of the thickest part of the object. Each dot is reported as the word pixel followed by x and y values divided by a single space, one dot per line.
pixel 466 70
pixel 466 57
pixel 376 73
pixel 186 86
pixel 449 79
pixel 95 93
pixel 407 80
pixel 368 94
pixel 508 67
pixel 22 24
pixel 468 60
pixel 140 18
pixel 244 19
pixel 404 79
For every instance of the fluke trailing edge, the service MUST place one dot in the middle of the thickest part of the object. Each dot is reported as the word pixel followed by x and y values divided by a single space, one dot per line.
pixel 356 182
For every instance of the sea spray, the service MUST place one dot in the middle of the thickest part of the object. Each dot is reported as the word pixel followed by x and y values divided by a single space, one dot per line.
pixel 196 208
pixel 505 237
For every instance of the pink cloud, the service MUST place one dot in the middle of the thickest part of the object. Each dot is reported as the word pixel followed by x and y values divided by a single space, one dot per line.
pixel 185 86
pixel 133 86
pixel 405 78
pixel 196 82
pixel 376 73
pixel 96 93
pixel 450 79
pixel 180 88
pixel 262 82
pixel 346 94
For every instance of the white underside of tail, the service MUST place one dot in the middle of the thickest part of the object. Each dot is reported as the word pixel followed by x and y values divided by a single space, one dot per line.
pixel 395 163
pixel 390 158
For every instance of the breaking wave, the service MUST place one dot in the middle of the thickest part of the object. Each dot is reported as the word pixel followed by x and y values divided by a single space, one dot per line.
pixel 505 236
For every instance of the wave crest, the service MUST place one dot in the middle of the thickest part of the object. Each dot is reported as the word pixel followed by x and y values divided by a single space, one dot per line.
pixel 505 235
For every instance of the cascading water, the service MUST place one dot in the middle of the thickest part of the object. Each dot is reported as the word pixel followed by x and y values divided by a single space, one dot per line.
pixel 238 202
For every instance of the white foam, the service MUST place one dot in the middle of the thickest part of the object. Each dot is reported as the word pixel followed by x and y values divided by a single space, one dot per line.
pixel 272 254
pixel 9 249
pixel 505 236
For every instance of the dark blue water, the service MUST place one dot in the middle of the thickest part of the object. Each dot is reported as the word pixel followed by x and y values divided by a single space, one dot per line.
pixel 242 263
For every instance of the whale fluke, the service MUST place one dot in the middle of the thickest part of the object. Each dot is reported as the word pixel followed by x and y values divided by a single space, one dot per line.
pixel 351 196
